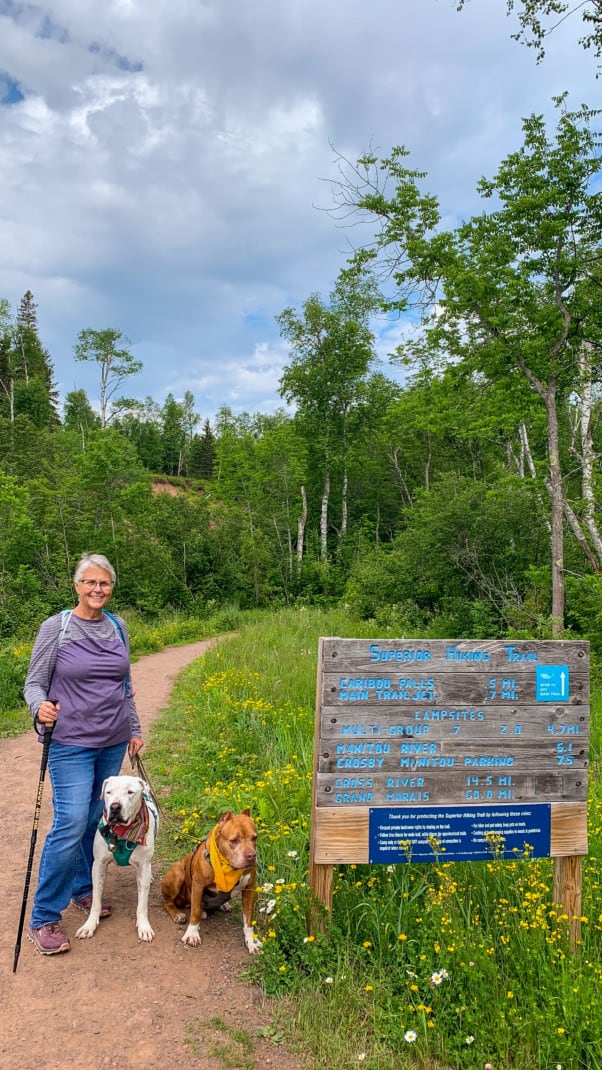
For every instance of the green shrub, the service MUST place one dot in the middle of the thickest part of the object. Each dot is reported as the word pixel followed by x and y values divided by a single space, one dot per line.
pixel 14 659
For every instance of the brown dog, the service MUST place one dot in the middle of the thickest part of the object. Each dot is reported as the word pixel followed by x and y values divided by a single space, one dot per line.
pixel 223 865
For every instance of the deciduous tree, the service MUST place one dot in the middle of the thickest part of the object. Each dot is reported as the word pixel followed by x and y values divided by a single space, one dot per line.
pixel 539 18
pixel 332 348
pixel 78 415
pixel 499 293
pixel 110 349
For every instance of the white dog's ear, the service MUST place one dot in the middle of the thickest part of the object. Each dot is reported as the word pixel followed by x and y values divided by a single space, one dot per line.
pixel 142 783
pixel 102 790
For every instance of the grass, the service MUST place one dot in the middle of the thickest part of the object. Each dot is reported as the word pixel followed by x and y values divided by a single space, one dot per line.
pixel 214 1039
pixel 436 965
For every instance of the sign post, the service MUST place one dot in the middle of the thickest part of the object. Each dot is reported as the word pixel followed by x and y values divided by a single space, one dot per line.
pixel 464 748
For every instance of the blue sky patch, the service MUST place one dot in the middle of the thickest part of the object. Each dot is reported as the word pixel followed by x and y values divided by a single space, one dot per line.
pixel 121 62
pixel 50 30
pixel 9 90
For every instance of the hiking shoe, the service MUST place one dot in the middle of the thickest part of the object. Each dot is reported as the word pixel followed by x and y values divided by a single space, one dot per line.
pixel 49 939
pixel 85 905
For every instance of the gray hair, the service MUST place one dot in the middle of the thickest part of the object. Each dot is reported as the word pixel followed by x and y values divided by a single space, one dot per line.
pixel 94 561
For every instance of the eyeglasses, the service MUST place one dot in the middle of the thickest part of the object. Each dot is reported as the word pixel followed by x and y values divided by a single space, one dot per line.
pixel 104 585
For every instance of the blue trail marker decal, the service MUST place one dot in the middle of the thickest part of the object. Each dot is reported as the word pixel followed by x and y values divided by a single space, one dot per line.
pixel 552 683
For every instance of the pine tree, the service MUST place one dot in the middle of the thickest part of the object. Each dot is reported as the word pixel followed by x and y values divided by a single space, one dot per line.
pixel 35 393
pixel 201 458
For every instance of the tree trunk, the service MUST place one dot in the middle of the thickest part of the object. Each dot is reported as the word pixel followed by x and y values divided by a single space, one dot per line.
pixel 289 543
pixel 525 452
pixel 571 519
pixel 301 522
pixel 405 494
pixel 324 520
pixel 575 526
pixel 104 382
pixel 9 390
pixel 557 492
pixel 23 357
pixel 588 454
pixel 344 510
pixel 548 395
pixel 427 467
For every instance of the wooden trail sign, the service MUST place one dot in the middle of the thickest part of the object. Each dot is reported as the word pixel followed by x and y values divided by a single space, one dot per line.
pixel 457 749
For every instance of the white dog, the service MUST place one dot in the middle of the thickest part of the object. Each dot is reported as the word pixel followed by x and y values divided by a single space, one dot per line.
pixel 126 835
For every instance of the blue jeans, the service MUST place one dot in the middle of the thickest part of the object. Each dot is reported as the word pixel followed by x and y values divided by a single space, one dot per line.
pixel 77 775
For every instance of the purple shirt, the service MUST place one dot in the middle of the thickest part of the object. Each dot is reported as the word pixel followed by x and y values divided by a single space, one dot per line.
pixel 83 667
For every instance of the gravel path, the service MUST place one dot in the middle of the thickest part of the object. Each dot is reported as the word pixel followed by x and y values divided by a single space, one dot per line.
pixel 114 1001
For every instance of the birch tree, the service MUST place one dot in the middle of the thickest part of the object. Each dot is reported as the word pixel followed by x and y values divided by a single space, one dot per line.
pixel 331 353
pixel 500 292
pixel 110 349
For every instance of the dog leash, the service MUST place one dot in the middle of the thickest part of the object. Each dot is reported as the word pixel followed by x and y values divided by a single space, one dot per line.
pixel 138 765
pixel 166 819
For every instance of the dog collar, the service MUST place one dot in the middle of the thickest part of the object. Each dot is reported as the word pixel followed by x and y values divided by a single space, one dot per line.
pixel 122 840
pixel 226 877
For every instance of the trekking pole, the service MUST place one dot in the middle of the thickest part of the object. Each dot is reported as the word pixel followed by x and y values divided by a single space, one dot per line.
pixel 48 730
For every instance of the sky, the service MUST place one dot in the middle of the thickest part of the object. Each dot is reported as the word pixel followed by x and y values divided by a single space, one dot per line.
pixel 166 166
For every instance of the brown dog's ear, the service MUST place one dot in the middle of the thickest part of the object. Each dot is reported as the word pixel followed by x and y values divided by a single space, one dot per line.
pixel 246 811
pixel 224 817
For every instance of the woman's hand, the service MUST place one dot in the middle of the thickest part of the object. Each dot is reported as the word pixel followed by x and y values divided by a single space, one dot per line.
pixel 47 712
pixel 135 746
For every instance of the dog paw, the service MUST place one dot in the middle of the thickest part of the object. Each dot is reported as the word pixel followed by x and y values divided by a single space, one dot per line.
pixel 192 936
pixel 226 907
pixel 85 931
pixel 252 944
pixel 146 933
pixel 180 919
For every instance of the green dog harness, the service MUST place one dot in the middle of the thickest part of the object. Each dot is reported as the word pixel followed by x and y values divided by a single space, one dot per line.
pixel 122 840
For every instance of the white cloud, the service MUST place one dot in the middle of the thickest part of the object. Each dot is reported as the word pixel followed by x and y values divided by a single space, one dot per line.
pixel 160 174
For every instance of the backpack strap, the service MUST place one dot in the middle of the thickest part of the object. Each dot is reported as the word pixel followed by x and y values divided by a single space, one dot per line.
pixel 66 617
pixel 119 629
pixel 116 624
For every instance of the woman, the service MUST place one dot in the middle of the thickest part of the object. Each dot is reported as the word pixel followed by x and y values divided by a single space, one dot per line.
pixel 79 680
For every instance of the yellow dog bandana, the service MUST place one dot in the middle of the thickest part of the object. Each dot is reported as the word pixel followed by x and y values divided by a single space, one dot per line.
pixel 226 877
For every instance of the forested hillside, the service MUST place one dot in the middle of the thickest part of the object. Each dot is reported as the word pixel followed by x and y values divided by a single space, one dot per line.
pixel 464 501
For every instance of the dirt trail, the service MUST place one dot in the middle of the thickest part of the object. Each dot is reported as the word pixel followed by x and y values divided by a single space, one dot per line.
pixel 114 1001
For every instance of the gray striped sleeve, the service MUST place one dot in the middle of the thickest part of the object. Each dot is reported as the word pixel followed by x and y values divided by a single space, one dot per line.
pixel 42 662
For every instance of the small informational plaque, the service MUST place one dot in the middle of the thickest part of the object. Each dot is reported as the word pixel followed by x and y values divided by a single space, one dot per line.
pixel 464 833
